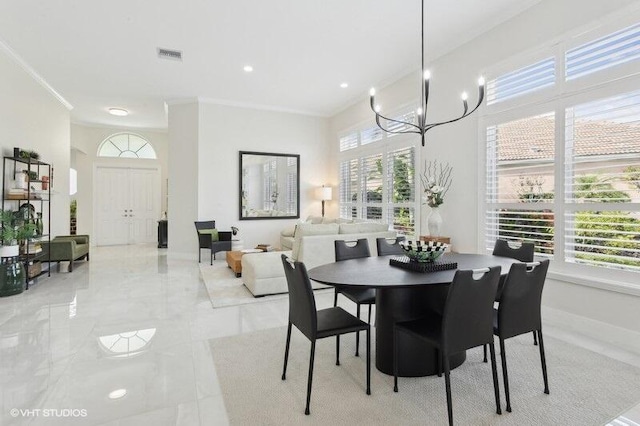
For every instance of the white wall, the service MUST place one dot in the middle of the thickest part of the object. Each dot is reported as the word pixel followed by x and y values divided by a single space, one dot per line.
pixel 459 144
pixel 223 131
pixel 85 141
pixel 32 118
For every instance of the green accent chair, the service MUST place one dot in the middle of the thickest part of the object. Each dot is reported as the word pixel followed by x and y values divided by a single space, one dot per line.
pixel 210 238
pixel 66 248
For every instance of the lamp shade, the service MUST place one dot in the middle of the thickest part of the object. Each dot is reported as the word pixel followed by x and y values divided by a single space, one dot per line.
pixel 325 193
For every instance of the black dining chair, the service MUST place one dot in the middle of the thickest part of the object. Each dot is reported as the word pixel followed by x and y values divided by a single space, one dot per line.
pixel 360 296
pixel 205 239
pixel 519 312
pixel 385 248
pixel 522 251
pixel 316 324
pixel 466 322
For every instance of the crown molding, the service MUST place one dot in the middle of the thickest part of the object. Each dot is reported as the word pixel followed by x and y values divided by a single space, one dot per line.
pixel 131 129
pixel 33 74
pixel 249 105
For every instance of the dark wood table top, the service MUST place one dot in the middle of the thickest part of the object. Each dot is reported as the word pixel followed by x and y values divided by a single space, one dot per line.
pixel 375 272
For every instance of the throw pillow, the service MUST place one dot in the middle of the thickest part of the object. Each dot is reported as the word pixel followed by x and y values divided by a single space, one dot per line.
pixel 213 232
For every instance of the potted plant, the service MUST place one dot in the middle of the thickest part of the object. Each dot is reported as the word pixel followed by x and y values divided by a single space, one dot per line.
pixel 12 230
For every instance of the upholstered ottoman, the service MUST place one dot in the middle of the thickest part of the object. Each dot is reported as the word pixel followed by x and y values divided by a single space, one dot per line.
pixel 262 273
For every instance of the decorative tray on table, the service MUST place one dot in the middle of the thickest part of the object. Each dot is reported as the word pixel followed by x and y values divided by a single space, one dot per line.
pixel 405 263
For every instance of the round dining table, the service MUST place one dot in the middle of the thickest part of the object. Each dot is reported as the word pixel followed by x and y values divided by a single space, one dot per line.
pixel 404 295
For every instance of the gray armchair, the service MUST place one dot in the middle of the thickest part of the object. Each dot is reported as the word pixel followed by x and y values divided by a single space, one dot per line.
pixel 205 240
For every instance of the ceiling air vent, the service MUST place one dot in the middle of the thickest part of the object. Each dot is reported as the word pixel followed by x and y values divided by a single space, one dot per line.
pixel 175 55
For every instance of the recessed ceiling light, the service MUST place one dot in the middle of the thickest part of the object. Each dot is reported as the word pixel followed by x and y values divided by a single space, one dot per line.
pixel 118 393
pixel 344 85
pixel 118 111
pixel 248 68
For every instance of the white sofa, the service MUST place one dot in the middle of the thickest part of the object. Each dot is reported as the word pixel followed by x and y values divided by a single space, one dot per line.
pixel 313 244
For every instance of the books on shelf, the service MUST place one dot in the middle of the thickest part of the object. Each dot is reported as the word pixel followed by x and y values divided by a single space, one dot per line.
pixel 264 247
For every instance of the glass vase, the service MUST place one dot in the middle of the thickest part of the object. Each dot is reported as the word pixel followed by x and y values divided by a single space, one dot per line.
pixel 434 222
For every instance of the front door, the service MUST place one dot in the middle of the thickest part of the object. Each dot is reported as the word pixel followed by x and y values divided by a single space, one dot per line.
pixel 127 205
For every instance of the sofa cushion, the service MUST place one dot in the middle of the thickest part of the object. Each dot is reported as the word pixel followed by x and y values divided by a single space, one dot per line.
pixel 213 232
pixel 360 228
pixel 314 219
pixel 305 229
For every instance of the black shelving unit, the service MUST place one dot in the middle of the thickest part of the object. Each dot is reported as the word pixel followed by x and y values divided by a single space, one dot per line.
pixel 34 196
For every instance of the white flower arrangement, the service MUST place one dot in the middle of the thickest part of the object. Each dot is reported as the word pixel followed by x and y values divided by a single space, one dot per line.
pixel 436 181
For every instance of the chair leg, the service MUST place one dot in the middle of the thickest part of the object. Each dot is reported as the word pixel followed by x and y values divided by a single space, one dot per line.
pixel 395 359
pixel 310 379
pixel 505 375
pixel 286 352
pixel 543 361
pixel 369 361
pixel 439 355
pixel 484 349
pixel 494 373
pixel 369 317
pixel 199 255
pixel 447 382
pixel 335 297
pixel 338 349
pixel 357 332
pixel 535 340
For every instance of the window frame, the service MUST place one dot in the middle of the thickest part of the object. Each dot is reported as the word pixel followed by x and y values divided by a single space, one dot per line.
pixel 387 144
pixel 120 157
pixel 620 79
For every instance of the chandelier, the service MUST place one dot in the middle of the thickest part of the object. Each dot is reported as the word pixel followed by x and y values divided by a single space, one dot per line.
pixel 422 126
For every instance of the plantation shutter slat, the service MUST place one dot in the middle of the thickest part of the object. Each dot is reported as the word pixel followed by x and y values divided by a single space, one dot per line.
pixel 606 52
pixel 519 82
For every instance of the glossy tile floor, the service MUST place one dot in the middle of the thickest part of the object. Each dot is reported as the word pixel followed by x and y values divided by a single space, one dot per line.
pixel 123 340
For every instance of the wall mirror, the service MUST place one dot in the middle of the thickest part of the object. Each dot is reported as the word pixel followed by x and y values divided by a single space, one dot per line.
pixel 269 185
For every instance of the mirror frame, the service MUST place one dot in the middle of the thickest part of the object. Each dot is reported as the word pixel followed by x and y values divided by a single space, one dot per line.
pixel 269 154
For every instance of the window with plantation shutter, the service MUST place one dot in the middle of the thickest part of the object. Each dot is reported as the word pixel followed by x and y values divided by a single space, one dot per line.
pixel 401 188
pixel 520 182
pixel 348 142
pixel 575 169
pixel 348 189
pixel 372 134
pixel 371 176
pixel 378 182
pixel 522 81
pixel 605 52
pixel 602 182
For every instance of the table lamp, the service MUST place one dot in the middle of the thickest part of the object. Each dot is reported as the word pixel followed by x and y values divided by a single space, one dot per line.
pixel 324 194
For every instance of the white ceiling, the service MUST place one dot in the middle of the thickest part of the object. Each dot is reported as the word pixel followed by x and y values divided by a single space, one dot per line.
pixel 101 54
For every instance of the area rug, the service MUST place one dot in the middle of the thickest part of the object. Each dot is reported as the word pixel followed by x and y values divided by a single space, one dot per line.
pixel 585 388
pixel 225 289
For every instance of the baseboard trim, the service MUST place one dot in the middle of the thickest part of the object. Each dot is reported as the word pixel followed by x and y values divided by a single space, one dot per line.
pixel 607 334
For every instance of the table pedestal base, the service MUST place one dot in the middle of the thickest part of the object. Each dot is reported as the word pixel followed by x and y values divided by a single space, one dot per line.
pixel 417 358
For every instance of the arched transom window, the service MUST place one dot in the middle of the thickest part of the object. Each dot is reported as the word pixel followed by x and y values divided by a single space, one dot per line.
pixel 126 145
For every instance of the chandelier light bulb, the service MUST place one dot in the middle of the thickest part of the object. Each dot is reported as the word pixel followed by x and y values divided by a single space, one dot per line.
pixel 464 96
pixel 481 81
pixel 378 108
pixel 419 111
pixel 372 92
pixel 427 74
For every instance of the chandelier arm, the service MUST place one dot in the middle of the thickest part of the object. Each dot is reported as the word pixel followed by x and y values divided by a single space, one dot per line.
pixel 395 131
pixel 464 114
pixel 395 121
